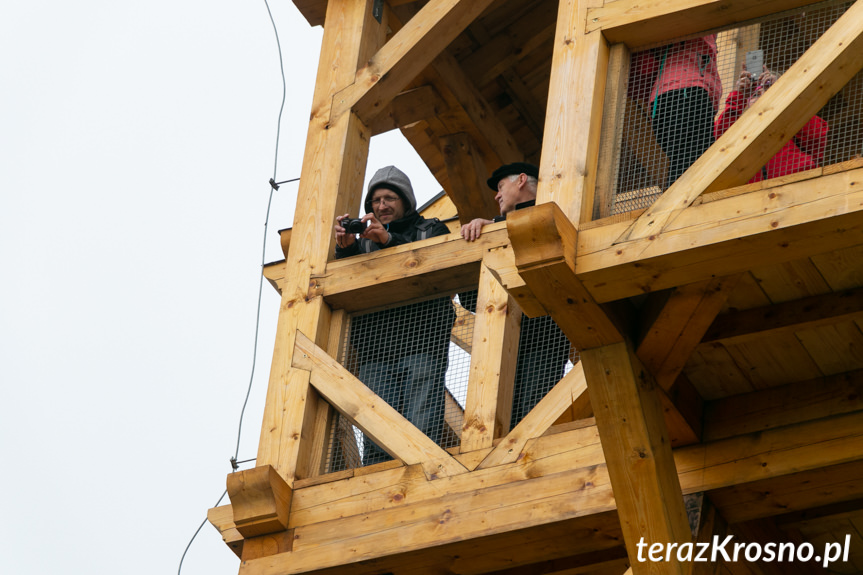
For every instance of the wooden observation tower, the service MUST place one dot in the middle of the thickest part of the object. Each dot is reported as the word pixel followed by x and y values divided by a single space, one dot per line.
pixel 717 387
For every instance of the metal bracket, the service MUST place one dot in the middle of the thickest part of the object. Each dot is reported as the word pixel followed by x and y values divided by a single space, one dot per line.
pixel 378 10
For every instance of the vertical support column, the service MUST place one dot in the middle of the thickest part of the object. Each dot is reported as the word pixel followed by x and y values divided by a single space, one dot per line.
pixel 488 406
pixel 330 184
pixel 570 145
pixel 637 452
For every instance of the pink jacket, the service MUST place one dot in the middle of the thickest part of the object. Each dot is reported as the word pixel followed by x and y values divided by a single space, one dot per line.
pixel 804 151
pixel 689 64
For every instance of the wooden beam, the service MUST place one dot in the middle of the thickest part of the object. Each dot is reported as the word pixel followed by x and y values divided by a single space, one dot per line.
pixel 467 175
pixel 429 268
pixel 570 147
pixel 784 405
pixel 378 420
pixel 642 22
pixel 791 493
pixel 260 501
pixel 727 236
pixel 680 326
pixel 488 405
pixel 760 132
pixel 571 390
pixel 544 241
pixel 408 107
pixel 637 452
pixel 786 317
pixel 410 50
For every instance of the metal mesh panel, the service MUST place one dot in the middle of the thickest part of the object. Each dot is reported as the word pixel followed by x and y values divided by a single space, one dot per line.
pixel 417 358
pixel 410 357
pixel 682 95
pixel 543 359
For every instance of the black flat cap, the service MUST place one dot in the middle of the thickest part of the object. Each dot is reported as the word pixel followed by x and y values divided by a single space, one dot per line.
pixel 512 169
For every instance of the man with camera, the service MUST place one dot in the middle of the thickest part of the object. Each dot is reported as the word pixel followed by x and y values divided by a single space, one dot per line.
pixel 543 348
pixel 401 352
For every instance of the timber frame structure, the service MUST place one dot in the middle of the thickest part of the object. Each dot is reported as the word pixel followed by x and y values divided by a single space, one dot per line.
pixel 719 330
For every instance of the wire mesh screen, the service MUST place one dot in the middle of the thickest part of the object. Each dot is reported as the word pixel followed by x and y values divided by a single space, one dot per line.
pixel 683 95
pixel 417 359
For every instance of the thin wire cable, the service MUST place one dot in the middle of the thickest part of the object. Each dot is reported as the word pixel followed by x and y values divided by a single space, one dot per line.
pixel 266 223
pixel 180 568
pixel 261 280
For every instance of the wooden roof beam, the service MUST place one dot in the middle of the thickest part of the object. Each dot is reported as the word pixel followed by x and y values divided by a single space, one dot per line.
pixel 642 22
pixel 408 107
pixel 378 420
pixel 680 326
pixel 467 177
pixel 765 127
pixel 786 317
pixel 411 49
pixel 784 405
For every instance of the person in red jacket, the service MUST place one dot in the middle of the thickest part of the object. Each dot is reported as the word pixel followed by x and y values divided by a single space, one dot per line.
pixel 804 151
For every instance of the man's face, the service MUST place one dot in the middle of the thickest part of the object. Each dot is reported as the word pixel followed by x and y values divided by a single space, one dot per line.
pixel 510 192
pixel 387 205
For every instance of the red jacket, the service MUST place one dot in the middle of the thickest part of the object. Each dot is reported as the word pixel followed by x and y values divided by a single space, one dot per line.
pixel 804 151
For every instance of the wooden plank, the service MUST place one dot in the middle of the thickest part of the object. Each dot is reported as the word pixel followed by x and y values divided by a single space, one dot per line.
pixel 680 326
pixel 612 129
pixel 395 488
pixel 570 147
pixel 785 405
pixel 501 262
pixel 756 137
pixel 408 107
pixel 410 50
pixel 637 451
pixel 443 520
pixel 572 389
pixel 378 420
pixel 434 267
pixel 790 493
pixel 771 453
pixel 641 22
pixel 330 183
pixel 544 241
pixel 467 175
pixel 724 237
pixel 488 405
pixel 788 317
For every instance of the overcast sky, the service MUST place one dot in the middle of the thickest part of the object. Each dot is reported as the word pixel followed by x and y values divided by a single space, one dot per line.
pixel 136 142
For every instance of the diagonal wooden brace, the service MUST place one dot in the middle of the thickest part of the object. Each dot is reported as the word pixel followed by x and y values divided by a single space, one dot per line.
pixel 378 419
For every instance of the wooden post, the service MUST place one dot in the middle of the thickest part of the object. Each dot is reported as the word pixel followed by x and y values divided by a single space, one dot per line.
pixel 330 183
pixel 612 129
pixel 488 406
pixel 570 147
pixel 638 454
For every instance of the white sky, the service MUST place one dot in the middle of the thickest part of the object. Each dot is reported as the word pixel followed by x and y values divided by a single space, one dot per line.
pixel 136 141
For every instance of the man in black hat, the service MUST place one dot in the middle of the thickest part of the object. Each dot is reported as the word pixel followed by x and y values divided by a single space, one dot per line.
pixel 543 348
pixel 515 185
pixel 401 353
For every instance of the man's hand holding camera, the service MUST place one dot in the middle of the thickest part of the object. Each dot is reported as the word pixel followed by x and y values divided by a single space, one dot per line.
pixel 373 231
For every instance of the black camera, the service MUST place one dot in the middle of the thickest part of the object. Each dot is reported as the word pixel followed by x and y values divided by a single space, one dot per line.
pixel 352 226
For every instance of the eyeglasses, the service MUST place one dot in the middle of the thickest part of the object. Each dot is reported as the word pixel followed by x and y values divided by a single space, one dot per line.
pixel 390 200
